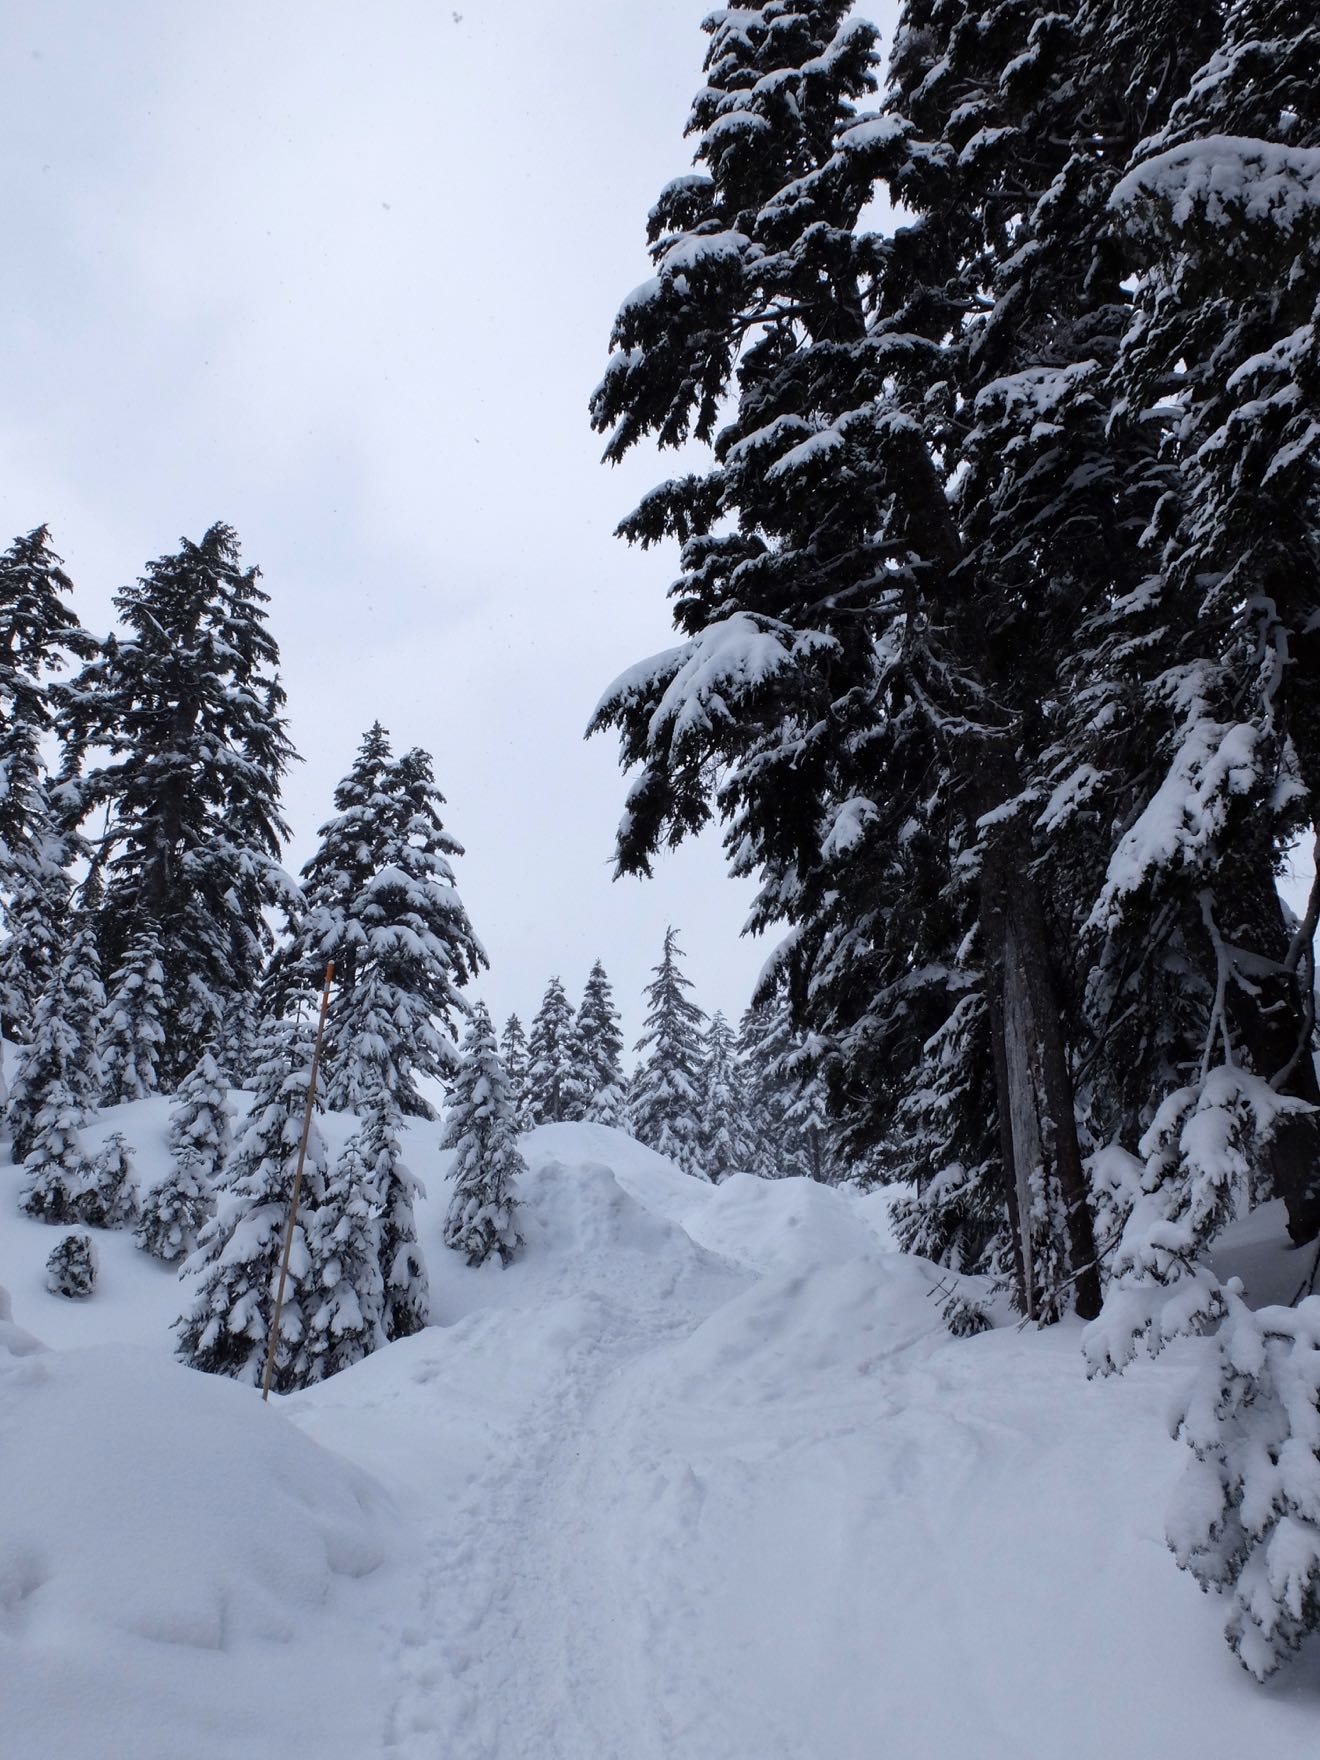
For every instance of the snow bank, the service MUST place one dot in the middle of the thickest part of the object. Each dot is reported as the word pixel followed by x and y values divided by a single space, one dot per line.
pixel 177 1573
pixel 781 1224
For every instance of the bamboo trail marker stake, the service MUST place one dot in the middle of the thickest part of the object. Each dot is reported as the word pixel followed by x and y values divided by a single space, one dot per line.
pixel 297 1185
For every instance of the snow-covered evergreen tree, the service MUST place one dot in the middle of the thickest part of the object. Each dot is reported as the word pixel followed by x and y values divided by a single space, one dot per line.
pixel 348 1320
pixel 727 1145
pixel 200 1127
pixel 187 710
pixel 107 1196
pixel 664 1099
pixel 481 1130
pixel 596 1085
pixel 132 1031
pixel 380 901
pixel 550 1052
pixel 407 1287
pixel 327 928
pixel 58 1073
pixel 849 693
pixel 201 1120
pixel 36 910
pixel 807 1111
pixel 71 1267
pixel 239 1251
pixel 1246 1517
pixel 793 1134
pixel 235 1044
pixel 1222 344
pixel 513 1049
pixel 38 632
pixel 174 1212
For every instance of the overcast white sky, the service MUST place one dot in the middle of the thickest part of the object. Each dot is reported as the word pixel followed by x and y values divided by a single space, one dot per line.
pixel 343 275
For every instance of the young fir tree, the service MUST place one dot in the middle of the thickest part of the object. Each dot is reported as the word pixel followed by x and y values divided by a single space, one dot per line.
pixel 239 1251
pixel 132 1031
pixel 346 1297
pixel 664 1100
pixel 55 1166
pixel 481 1130
pixel 71 1268
pixel 200 1127
pixel 380 901
pixel 38 632
pixel 596 1090
pixel 407 1288
pixel 551 1077
pixel 187 707
pixel 726 1137
pixel 513 1049
pixel 107 1196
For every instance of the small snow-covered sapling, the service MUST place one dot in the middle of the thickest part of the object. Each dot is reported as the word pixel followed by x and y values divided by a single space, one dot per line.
pixel 71 1267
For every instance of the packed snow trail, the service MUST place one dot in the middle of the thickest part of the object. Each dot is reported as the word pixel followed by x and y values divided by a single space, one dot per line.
pixel 488 1418
pixel 701 1475
pixel 675 1507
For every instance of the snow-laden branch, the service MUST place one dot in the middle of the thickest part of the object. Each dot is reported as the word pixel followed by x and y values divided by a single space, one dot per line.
pixel 1222 181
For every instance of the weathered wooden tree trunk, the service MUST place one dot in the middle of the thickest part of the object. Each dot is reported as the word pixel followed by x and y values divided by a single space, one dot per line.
pixel 1037 1109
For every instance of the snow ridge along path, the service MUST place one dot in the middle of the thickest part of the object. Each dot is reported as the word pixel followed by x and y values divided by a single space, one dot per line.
pixel 702 1476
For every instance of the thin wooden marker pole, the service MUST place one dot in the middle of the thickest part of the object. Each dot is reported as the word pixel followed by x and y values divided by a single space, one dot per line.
pixel 297 1185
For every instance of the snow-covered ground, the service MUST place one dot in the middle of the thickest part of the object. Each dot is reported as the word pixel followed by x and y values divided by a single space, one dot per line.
pixel 701 1476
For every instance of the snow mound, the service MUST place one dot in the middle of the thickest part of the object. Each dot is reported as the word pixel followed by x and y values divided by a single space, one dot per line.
pixel 781 1224
pixel 14 1342
pixel 594 1237
pixel 819 1329
pixel 174 1540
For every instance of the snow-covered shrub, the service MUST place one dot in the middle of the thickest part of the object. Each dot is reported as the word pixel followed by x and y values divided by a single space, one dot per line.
pixel 71 1267
pixel 964 1318
pixel 1246 1517
pixel 107 1195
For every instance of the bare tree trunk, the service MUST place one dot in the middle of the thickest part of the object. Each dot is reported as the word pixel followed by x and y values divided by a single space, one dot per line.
pixel 1038 1122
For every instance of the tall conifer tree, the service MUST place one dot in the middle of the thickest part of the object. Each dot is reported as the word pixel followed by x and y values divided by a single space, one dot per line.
pixel 550 1053
pixel 513 1049
pixel 727 1144
pixel 381 902
pixel 188 707
pixel 480 1129
pixel 596 1078
pixel 38 634
pixel 664 1100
